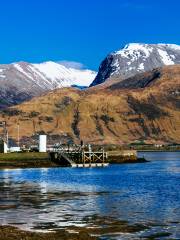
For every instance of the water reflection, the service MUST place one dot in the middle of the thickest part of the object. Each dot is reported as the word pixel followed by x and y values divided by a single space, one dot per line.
pixel 57 198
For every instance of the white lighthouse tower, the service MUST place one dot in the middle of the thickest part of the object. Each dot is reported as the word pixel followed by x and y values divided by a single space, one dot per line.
pixel 42 143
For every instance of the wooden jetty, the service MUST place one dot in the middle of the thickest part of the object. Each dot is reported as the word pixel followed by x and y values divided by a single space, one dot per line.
pixel 78 157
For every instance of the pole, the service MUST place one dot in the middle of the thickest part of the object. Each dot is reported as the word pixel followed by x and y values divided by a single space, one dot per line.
pixel 18 134
pixel 103 155
pixel 7 138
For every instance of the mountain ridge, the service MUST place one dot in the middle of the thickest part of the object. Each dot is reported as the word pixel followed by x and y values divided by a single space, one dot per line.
pixel 108 115
pixel 21 81
pixel 136 58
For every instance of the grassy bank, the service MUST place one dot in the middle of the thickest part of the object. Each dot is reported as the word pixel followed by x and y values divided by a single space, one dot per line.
pixel 25 160
pixel 24 156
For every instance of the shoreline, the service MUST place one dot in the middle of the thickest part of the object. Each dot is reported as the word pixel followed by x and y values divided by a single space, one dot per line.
pixel 117 160
pixel 42 160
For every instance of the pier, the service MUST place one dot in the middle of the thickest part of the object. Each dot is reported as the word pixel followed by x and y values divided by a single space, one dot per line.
pixel 77 156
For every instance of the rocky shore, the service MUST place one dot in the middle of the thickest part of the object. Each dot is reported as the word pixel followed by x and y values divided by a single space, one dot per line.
pixel 121 160
pixel 13 233
pixel 102 227
pixel 119 157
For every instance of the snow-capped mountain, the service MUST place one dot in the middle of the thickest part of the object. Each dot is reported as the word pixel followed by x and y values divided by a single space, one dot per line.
pixel 136 58
pixel 21 81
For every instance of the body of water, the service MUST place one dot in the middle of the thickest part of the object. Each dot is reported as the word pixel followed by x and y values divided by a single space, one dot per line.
pixel 142 193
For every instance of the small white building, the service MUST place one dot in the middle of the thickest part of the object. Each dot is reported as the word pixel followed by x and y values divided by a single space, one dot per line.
pixel 5 147
pixel 14 149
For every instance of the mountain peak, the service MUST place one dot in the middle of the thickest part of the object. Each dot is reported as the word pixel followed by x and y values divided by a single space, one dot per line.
pixel 136 58
pixel 137 46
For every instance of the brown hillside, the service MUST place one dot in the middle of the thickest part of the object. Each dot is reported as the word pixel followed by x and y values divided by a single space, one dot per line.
pixel 146 109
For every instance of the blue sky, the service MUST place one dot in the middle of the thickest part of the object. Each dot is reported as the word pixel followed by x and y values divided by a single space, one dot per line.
pixel 82 30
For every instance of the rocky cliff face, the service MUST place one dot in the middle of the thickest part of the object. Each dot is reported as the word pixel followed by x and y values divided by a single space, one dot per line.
pixel 22 81
pixel 136 58
pixel 148 109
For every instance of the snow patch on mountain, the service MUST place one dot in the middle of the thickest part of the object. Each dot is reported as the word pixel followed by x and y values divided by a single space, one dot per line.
pixel 63 76
pixel 165 57
pixel 20 69
pixel 134 50
pixel 2 76
pixel 172 46
pixel 141 66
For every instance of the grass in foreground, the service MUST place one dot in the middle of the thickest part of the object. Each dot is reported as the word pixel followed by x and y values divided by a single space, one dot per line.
pixel 25 160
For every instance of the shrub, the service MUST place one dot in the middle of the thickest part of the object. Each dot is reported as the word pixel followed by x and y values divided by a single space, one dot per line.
pixel 33 114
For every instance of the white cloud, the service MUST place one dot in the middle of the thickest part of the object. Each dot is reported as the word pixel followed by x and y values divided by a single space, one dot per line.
pixel 72 64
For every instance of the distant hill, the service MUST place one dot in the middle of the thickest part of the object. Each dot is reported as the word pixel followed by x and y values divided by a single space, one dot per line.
pixel 22 81
pixel 144 107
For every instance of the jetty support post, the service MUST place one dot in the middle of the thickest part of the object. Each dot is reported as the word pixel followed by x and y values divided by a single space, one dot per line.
pixel 103 155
